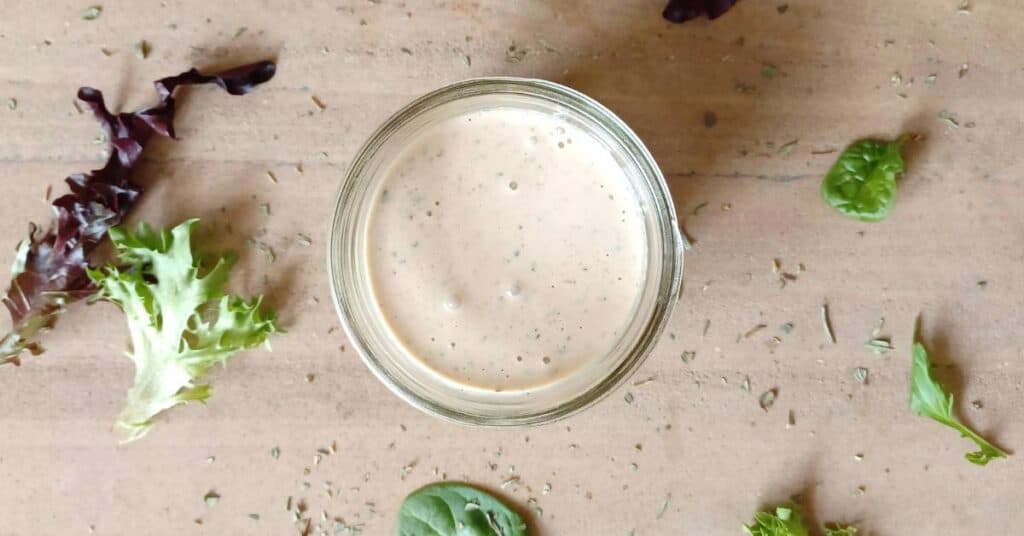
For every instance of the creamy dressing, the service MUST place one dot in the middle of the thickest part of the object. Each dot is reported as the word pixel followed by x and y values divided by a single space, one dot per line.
pixel 506 248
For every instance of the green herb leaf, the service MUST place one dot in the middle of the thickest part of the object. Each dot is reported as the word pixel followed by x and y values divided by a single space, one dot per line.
pixel 181 324
pixel 928 399
pixel 862 183
pixel 840 530
pixel 786 521
pixel 456 510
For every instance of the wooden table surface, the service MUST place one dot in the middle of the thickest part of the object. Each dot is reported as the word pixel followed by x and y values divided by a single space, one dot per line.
pixel 693 453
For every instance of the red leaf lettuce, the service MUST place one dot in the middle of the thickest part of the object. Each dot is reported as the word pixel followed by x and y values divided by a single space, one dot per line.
pixel 684 10
pixel 49 268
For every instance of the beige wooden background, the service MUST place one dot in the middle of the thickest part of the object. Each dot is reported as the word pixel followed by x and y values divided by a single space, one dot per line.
pixel 692 435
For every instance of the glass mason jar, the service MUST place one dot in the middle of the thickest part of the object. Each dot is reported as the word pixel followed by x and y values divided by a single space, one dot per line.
pixel 382 350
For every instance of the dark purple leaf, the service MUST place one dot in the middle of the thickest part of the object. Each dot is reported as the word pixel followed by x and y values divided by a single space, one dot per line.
pixel 684 10
pixel 50 267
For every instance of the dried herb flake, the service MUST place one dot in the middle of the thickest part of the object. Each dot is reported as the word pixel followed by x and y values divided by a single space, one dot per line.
pixel 92 12
pixel 750 333
pixel 827 324
pixel 787 148
pixel 142 49
pixel 767 398
pixel 664 506
pixel 710 119
pixel 949 119
pixel 211 498
pixel 879 345
pixel 769 71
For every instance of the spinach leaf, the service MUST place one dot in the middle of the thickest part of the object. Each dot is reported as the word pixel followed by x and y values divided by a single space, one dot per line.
pixel 862 183
pixel 456 510
pixel 928 399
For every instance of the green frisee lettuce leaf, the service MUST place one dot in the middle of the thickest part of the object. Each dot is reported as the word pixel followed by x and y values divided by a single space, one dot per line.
pixel 786 521
pixel 928 399
pixel 840 530
pixel 181 323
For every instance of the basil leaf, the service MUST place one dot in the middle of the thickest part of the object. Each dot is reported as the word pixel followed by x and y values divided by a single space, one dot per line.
pixel 456 510
pixel 862 183
pixel 928 399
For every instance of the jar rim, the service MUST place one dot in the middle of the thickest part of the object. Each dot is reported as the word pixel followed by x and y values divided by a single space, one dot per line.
pixel 669 284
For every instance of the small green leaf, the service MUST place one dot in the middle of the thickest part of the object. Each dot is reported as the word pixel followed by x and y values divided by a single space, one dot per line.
pixel 456 510
pixel 928 399
pixel 840 530
pixel 862 183
pixel 785 521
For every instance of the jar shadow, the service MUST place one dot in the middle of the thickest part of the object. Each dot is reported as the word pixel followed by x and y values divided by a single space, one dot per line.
pixel 707 97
